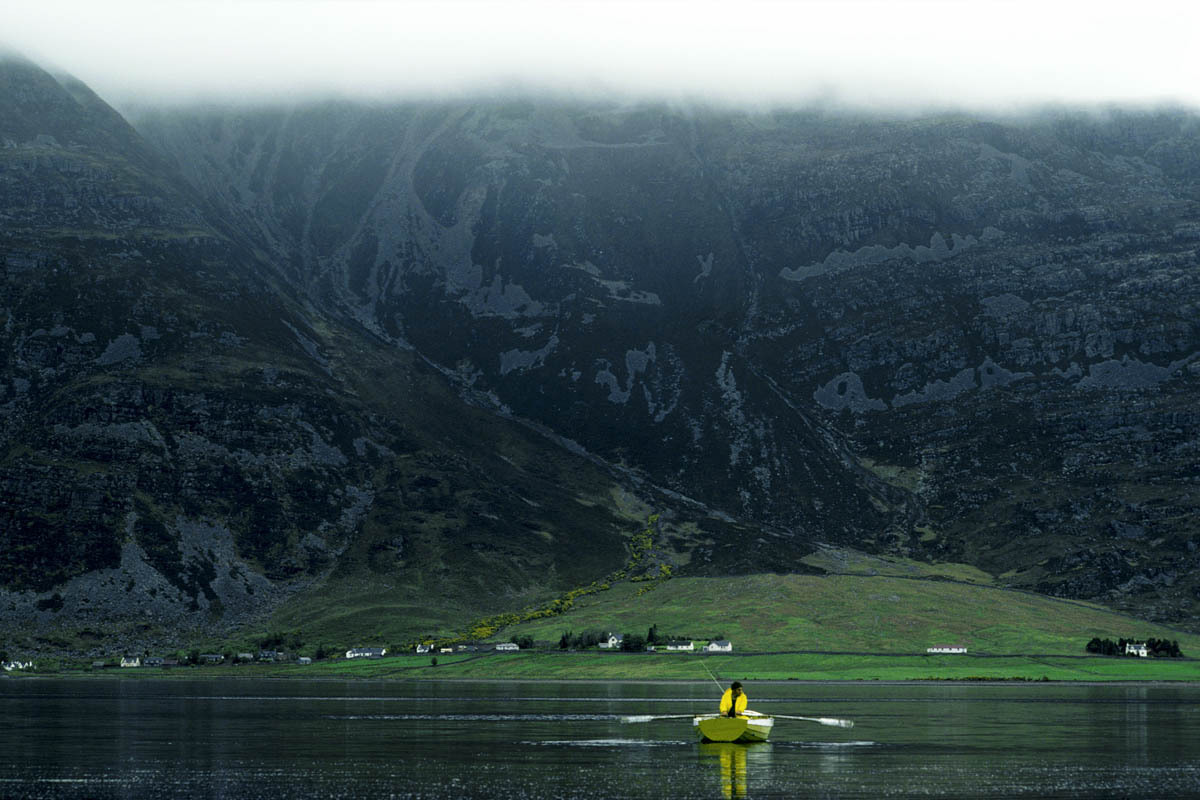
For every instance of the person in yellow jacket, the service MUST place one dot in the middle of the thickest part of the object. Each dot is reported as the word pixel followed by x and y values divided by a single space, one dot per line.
pixel 733 702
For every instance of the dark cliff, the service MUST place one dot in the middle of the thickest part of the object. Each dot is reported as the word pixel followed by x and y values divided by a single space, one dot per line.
pixel 958 338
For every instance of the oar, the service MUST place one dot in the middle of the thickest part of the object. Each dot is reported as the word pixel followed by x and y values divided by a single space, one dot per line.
pixel 830 721
pixel 652 717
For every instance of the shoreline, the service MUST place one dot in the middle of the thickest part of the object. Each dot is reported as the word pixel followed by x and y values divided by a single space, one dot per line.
pixel 172 675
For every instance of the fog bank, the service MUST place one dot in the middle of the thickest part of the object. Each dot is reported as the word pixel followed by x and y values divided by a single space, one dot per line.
pixel 863 53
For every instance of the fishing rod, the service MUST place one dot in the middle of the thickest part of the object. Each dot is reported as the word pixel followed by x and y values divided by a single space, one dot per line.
pixel 652 717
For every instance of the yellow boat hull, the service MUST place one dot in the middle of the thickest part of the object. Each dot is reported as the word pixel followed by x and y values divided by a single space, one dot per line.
pixel 733 729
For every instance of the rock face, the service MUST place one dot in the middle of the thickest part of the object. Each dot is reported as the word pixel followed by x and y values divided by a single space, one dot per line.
pixel 250 355
pixel 185 441
pixel 957 338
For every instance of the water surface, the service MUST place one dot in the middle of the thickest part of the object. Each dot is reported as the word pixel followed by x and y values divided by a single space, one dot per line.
pixel 259 738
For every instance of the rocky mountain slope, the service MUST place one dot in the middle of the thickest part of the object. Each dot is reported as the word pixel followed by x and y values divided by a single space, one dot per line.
pixel 418 361
pixel 188 443
pixel 951 337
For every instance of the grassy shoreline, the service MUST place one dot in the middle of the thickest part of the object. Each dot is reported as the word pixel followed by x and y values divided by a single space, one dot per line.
pixel 808 667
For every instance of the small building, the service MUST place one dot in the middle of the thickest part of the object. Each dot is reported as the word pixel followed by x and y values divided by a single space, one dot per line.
pixel 947 649
pixel 424 648
pixel 245 656
pixel 131 661
pixel 170 662
pixel 9 666
pixel 271 655
pixel 681 645
pixel 719 646
pixel 366 652
pixel 445 649
pixel 303 660
pixel 613 640
pixel 507 646
pixel 211 658
pixel 99 664
pixel 1138 649
pixel 153 661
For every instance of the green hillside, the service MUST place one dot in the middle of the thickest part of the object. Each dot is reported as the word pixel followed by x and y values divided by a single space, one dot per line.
pixel 851 613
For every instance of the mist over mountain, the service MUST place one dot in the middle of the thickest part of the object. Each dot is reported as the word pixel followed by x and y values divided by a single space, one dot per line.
pixel 450 354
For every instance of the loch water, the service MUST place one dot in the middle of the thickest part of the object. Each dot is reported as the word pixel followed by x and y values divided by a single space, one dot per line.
pixel 147 738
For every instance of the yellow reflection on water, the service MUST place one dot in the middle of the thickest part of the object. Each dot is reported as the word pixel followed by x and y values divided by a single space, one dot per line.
pixel 732 761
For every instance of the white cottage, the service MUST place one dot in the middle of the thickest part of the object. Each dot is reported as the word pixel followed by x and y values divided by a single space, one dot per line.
pixel 131 661
pixel 681 645
pixel 944 649
pixel 1137 649
pixel 424 648
pixel 366 652
pixel 719 646
pixel 612 640
pixel 507 646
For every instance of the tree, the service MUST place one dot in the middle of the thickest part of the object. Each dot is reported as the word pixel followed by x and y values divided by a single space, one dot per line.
pixel 632 643
pixel 652 635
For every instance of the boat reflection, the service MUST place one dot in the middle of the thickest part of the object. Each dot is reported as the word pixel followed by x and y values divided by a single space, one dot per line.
pixel 733 760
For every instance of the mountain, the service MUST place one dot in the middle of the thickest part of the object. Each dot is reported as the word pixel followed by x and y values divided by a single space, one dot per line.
pixel 948 337
pixel 188 444
pixel 382 369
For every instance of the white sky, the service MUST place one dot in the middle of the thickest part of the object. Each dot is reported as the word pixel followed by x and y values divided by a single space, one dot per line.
pixel 898 54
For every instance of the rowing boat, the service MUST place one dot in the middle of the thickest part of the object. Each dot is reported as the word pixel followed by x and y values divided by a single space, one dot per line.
pixel 753 727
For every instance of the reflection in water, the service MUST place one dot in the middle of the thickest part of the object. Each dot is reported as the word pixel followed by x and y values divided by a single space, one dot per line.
pixel 731 759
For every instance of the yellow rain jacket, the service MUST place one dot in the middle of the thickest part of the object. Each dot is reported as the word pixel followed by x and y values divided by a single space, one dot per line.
pixel 727 701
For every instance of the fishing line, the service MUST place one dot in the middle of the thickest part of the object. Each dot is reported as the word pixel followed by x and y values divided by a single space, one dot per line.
pixel 714 677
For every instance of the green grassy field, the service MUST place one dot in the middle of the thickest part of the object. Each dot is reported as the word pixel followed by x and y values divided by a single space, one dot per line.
pixel 543 665
pixel 855 613
pixel 854 627
pixel 873 623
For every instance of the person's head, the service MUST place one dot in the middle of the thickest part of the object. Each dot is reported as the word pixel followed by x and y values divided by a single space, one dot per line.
pixel 736 687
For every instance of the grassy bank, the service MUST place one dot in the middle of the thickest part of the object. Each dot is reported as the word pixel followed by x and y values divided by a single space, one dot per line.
pixel 852 613
pixel 542 665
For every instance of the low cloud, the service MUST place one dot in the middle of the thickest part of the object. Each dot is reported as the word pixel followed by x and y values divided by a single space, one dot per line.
pixel 893 55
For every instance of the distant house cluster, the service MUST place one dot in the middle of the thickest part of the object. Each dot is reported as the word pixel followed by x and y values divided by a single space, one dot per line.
pixel 262 656
pixel 366 652
pixel 138 661
pixel 424 648
pixel 616 641
pixel 947 649
pixel 10 666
